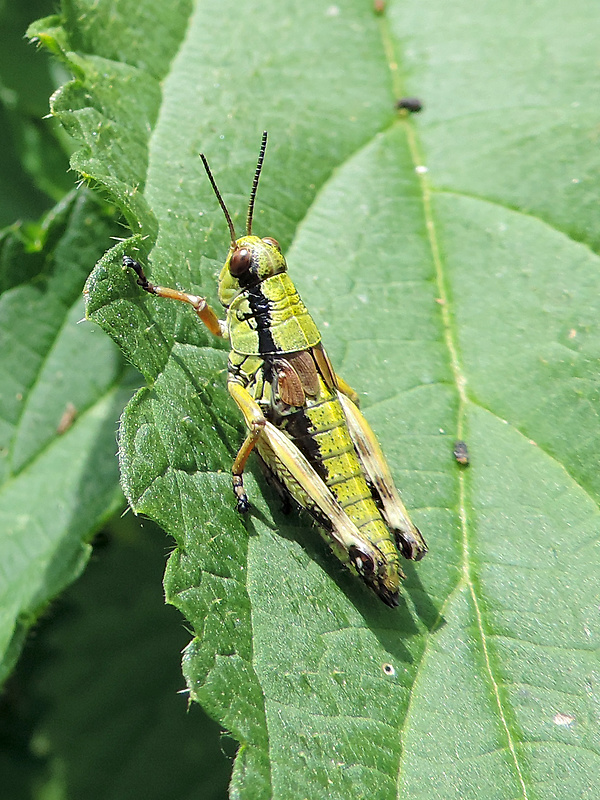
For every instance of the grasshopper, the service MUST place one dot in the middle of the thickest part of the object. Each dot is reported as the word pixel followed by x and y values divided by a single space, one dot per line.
pixel 302 418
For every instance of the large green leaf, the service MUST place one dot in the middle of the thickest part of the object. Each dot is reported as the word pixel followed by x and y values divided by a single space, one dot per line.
pixel 448 259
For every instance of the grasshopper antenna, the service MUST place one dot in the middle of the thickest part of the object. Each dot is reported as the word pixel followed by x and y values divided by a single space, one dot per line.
pixel 261 158
pixel 220 199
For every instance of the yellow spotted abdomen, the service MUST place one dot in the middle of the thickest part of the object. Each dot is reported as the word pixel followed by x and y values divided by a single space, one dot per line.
pixel 320 431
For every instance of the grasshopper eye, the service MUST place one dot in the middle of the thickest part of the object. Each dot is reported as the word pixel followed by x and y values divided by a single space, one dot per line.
pixel 240 262
pixel 274 242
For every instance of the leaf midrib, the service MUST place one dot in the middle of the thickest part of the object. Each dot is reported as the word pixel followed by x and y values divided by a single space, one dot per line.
pixel 460 382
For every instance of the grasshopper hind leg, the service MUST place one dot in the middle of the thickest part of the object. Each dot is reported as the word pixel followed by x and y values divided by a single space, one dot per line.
pixel 287 502
pixel 412 548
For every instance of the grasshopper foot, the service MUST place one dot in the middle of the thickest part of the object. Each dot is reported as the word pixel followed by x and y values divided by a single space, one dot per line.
pixel 243 504
pixel 131 263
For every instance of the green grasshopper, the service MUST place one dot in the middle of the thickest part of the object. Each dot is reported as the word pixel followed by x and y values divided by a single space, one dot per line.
pixel 302 418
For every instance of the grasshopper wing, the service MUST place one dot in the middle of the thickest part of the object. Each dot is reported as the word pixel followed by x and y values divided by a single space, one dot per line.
pixel 408 537
pixel 297 476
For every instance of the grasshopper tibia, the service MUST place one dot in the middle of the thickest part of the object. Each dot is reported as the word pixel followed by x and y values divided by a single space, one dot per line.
pixel 199 304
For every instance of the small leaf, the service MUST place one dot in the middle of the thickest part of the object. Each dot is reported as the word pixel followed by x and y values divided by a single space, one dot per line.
pixel 60 397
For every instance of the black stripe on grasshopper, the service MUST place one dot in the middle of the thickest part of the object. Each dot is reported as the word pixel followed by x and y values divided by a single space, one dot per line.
pixel 301 417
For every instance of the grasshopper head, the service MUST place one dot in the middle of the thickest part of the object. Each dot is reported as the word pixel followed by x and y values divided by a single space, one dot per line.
pixel 250 262
pixel 251 259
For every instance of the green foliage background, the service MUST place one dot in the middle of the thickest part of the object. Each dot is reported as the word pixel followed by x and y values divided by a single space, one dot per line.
pixel 451 261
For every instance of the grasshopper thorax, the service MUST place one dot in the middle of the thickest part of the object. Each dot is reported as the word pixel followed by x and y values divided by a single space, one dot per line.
pixel 265 315
pixel 251 261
